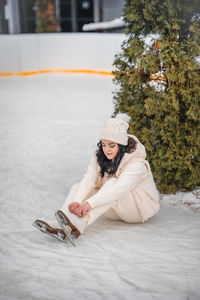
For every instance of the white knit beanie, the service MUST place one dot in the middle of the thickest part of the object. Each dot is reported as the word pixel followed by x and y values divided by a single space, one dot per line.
pixel 115 130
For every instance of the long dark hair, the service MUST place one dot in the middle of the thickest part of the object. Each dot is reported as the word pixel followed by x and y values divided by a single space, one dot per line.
pixel 108 165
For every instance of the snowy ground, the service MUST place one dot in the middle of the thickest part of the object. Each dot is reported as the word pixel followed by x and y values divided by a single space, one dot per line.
pixel 49 126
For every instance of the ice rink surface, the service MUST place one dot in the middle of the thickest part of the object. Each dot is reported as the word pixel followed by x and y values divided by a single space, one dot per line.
pixel 49 126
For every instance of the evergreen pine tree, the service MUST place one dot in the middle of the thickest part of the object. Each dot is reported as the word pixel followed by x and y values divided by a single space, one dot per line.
pixel 157 77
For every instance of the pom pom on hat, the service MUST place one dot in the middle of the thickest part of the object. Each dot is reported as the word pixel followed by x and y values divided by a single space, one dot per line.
pixel 115 130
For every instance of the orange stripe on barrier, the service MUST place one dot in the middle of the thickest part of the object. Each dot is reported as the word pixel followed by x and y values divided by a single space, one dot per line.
pixel 28 73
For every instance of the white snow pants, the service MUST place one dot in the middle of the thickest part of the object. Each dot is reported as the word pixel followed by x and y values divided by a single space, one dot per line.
pixel 124 208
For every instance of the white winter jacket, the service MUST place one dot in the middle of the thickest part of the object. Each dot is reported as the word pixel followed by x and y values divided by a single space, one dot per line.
pixel 133 175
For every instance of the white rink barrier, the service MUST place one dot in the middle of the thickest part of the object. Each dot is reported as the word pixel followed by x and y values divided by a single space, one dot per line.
pixel 42 52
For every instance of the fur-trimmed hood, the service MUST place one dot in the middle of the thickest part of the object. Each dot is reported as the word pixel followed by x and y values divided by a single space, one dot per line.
pixel 138 155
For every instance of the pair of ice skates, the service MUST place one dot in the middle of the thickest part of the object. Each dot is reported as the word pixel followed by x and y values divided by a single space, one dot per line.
pixel 68 230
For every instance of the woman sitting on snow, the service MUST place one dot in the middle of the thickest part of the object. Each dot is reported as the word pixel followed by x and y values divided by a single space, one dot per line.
pixel 118 184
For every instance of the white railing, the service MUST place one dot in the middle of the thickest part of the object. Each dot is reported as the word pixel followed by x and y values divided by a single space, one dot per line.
pixel 37 52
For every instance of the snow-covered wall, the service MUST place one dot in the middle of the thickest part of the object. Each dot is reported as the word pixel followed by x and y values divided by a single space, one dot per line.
pixel 49 51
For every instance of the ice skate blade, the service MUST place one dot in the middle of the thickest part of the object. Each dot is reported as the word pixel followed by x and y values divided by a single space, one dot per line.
pixel 43 228
pixel 65 228
pixel 50 234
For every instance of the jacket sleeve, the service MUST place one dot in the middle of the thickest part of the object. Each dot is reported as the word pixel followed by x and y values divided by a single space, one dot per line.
pixel 87 183
pixel 128 179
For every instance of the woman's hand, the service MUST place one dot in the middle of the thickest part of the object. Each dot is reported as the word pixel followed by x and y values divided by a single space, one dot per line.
pixel 73 206
pixel 82 210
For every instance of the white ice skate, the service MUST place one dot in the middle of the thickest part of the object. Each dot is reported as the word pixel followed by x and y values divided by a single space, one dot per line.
pixel 64 221
pixel 71 224
pixel 57 233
